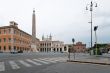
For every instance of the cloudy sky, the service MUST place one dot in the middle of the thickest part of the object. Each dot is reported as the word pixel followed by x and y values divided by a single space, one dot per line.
pixel 64 19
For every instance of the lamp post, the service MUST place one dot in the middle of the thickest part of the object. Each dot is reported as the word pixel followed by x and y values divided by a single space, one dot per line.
pixel 95 29
pixel 73 40
pixel 69 53
pixel 91 9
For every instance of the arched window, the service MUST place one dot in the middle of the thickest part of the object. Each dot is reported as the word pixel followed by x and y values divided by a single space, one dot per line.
pixel 9 47
pixel 65 48
pixel 0 48
pixel 4 48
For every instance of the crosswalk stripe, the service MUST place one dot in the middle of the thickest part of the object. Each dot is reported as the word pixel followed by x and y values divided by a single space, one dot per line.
pixel 13 65
pixel 48 60
pixel 28 62
pixel 63 59
pixel 59 59
pixel 54 59
pixel 2 66
pixel 41 61
pixel 33 62
pixel 25 64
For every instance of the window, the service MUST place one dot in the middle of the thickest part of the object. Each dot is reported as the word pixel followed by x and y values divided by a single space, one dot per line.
pixel 50 44
pixel 4 31
pixel 0 40
pixel 14 47
pixel 4 48
pixel 14 31
pixel 20 34
pixel 4 39
pixel 60 49
pixel 9 39
pixel 17 48
pixel 9 47
pixel 9 31
pixel 54 49
pixel 57 49
pixel 65 48
pixel 0 31
pixel 25 49
pixel 14 40
pixel 0 48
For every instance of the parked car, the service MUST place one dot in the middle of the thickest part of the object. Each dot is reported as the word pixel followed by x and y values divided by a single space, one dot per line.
pixel 20 51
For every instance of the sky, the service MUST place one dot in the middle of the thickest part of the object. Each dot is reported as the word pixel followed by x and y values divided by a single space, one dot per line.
pixel 64 19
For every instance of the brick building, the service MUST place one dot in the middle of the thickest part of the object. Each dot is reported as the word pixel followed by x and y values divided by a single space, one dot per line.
pixel 12 39
pixel 79 47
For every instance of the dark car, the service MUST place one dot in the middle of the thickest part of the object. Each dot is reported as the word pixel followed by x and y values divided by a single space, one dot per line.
pixel 20 51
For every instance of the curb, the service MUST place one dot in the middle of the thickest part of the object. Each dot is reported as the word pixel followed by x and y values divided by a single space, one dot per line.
pixel 89 62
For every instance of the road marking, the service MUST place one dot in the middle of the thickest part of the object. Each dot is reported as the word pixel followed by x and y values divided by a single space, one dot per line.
pixel 52 60
pixel 58 59
pixel 45 59
pixel 61 60
pixel 2 66
pixel 33 62
pixel 24 63
pixel 41 61
pixel 13 65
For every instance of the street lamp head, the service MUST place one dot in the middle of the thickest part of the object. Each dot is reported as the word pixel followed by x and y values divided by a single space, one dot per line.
pixel 95 28
pixel 73 40
pixel 91 5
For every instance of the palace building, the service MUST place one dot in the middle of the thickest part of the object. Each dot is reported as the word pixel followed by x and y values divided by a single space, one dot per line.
pixel 48 45
pixel 13 39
